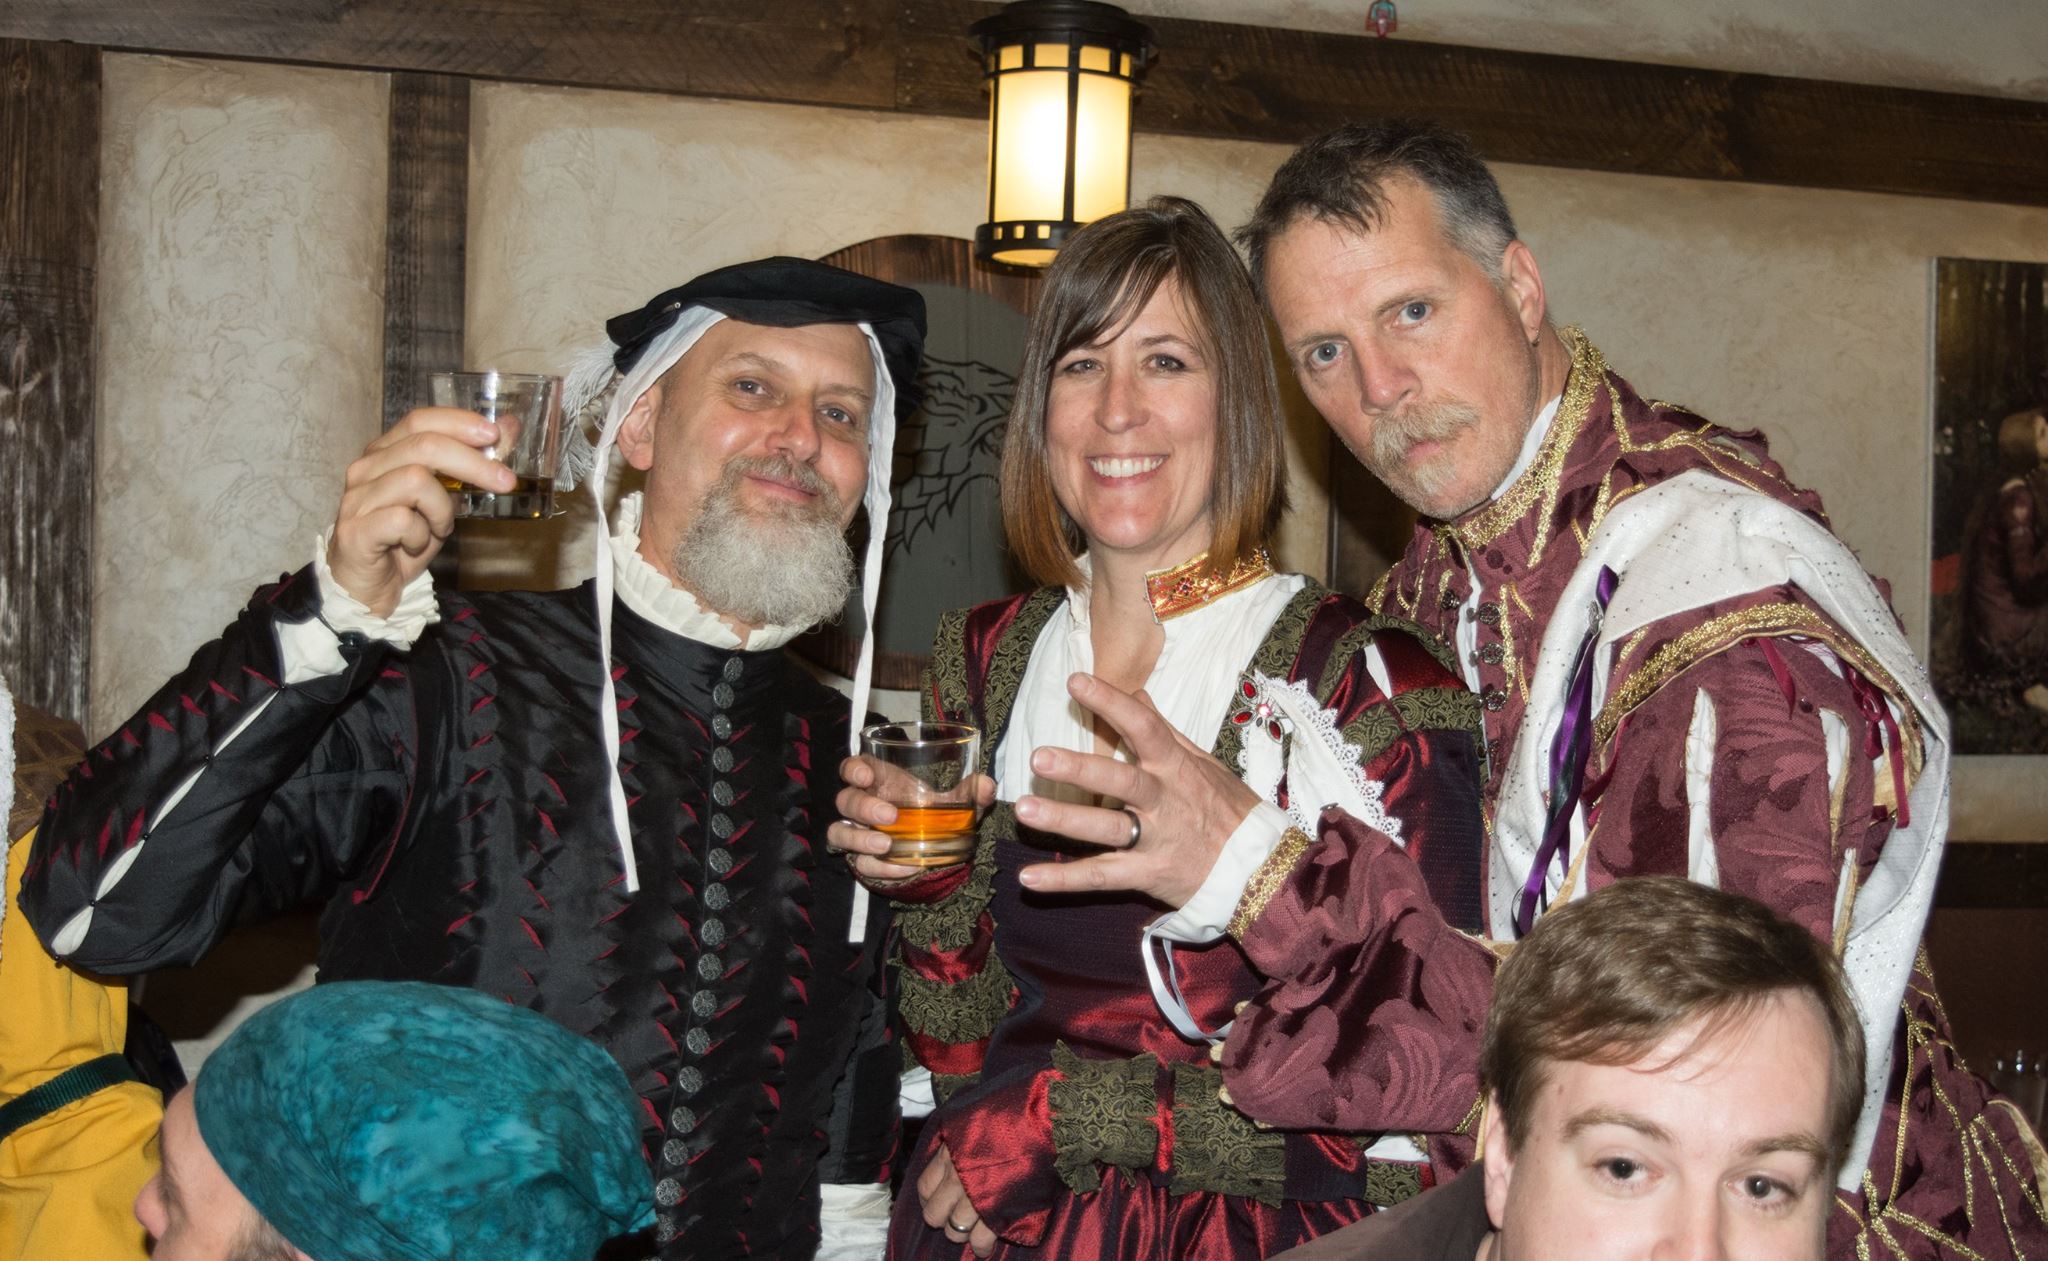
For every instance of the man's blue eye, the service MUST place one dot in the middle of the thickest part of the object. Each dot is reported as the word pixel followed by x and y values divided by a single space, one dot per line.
pixel 1414 311
pixel 1325 353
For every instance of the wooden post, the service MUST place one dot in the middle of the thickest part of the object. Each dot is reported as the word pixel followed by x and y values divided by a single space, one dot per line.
pixel 49 237
pixel 426 224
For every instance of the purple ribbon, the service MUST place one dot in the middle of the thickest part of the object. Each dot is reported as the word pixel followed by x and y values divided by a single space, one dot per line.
pixel 1568 753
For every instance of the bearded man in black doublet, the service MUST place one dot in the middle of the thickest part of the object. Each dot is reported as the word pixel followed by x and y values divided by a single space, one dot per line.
pixel 441 769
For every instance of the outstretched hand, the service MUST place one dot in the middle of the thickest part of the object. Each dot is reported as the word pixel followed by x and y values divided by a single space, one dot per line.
pixel 1186 802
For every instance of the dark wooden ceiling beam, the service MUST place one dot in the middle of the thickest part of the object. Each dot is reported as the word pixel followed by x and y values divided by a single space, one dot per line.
pixel 1213 79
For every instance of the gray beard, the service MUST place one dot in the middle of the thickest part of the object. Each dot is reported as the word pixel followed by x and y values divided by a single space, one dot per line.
pixel 785 568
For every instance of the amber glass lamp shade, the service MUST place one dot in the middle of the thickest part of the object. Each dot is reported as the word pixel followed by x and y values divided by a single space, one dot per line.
pixel 1060 75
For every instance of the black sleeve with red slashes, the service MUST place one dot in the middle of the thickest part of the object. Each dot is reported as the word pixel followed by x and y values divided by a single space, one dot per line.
pixel 230 795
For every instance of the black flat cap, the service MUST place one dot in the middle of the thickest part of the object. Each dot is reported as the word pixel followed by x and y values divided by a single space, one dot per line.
pixel 785 293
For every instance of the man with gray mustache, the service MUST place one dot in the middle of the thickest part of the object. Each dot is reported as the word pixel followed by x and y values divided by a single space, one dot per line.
pixel 1679 671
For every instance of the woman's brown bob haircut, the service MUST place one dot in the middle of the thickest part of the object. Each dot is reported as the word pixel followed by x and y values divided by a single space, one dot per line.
pixel 1104 275
pixel 1605 979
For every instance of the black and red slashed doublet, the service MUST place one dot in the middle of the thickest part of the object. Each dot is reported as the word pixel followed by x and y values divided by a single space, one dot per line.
pixel 1080 1122
pixel 450 804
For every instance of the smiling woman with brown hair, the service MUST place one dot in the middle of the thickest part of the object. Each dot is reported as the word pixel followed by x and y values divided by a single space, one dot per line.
pixel 1143 476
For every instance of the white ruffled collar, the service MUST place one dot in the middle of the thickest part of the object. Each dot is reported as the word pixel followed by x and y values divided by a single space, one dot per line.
pixel 648 592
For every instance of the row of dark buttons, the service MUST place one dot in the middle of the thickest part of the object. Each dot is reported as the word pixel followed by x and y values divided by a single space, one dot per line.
pixel 1488 614
pixel 711 932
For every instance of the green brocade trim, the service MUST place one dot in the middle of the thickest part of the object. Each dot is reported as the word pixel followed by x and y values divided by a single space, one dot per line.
pixel 1216 1147
pixel 1275 659
pixel 1387 1183
pixel 956 1013
pixel 945 677
pixel 944 1084
pixel 1425 709
pixel 1007 664
pixel 949 923
pixel 1359 637
pixel 1104 1112
pixel 971 1009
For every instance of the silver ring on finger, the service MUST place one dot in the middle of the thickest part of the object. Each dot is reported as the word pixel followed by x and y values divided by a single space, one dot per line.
pixel 957 1228
pixel 1137 828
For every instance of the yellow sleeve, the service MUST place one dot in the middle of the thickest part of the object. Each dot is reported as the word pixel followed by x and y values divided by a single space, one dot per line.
pixel 67 1181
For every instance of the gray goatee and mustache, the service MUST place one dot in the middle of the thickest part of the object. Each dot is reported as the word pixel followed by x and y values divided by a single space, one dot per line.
pixel 787 565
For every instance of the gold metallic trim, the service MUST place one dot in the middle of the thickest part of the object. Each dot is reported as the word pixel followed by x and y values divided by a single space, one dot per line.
pixel 1718 633
pixel 1192 583
pixel 1376 598
pixel 1266 881
pixel 1540 481
pixel 2030 1142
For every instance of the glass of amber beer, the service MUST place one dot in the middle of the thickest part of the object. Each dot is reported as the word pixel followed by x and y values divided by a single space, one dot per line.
pixel 927 771
pixel 527 409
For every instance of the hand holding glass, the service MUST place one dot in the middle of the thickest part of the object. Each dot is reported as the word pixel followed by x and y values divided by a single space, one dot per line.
pixel 927 771
pixel 527 409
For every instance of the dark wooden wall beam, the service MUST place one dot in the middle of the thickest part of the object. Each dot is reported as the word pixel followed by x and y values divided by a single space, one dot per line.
pixel 49 239
pixel 1213 79
pixel 425 229
pixel 426 224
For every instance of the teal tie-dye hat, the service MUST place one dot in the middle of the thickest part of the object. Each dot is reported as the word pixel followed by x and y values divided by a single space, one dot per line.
pixel 400 1121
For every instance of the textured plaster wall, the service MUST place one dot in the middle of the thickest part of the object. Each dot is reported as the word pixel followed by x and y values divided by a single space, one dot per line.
pixel 1994 47
pixel 240 293
pixel 240 296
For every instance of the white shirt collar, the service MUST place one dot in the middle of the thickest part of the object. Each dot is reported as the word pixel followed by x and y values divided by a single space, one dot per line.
pixel 1532 442
pixel 646 591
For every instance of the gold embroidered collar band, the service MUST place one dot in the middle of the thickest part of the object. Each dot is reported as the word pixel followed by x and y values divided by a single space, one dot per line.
pixel 1192 583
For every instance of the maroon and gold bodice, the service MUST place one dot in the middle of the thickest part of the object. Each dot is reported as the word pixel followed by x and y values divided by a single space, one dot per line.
pixel 1073 1109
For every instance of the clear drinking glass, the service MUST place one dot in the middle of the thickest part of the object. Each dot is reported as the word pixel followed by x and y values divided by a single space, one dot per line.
pixel 927 771
pixel 527 408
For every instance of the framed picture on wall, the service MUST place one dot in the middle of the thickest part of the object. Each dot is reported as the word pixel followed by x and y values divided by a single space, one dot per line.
pixel 1990 582
pixel 945 547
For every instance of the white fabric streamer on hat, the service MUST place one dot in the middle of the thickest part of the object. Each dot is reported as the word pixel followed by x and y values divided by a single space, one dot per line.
pixel 660 355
